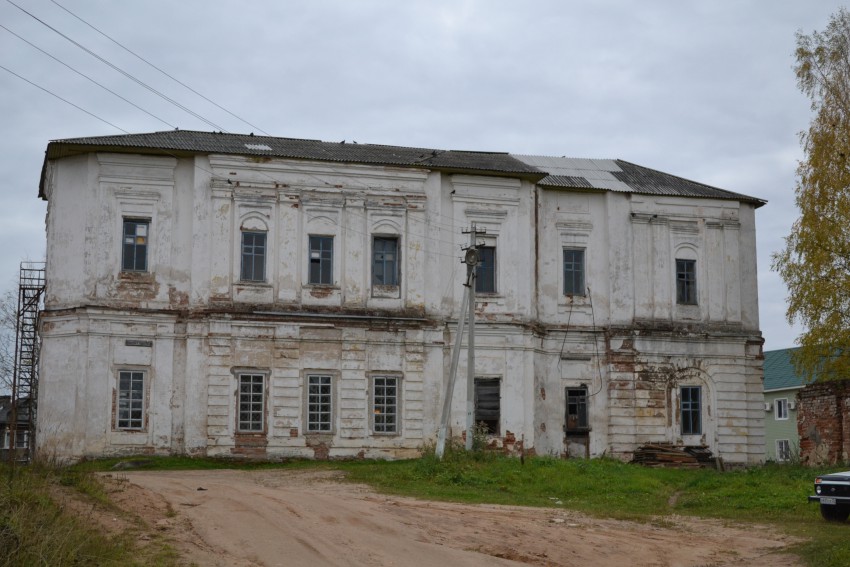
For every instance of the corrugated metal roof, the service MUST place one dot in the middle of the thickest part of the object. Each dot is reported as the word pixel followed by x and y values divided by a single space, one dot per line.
pixel 625 177
pixel 779 372
pixel 601 174
pixel 187 141
pixel 653 182
pixel 565 181
pixel 597 172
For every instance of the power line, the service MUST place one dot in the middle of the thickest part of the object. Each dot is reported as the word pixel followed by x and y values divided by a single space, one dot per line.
pixel 51 93
pixel 107 89
pixel 118 69
pixel 179 82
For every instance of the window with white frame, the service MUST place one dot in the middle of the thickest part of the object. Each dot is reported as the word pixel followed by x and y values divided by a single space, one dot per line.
pixel 783 450
pixel 252 403
pixel 131 400
pixel 22 439
pixel 319 403
pixel 385 403
pixel 781 405
pixel 134 248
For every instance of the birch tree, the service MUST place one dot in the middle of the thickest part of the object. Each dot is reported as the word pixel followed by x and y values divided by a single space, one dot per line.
pixel 815 262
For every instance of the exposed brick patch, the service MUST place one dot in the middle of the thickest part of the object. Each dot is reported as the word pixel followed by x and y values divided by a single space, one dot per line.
pixel 321 449
pixel 823 422
pixel 251 446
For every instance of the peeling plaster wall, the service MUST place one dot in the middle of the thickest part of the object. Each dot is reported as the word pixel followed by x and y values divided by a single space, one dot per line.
pixel 192 325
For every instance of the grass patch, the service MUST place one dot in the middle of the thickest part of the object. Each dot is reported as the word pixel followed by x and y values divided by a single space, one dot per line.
pixel 34 530
pixel 772 494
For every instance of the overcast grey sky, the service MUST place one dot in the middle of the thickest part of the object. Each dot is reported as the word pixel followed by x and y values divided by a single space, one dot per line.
pixel 703 90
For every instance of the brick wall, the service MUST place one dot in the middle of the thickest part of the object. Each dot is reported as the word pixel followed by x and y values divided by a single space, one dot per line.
pixel 823 422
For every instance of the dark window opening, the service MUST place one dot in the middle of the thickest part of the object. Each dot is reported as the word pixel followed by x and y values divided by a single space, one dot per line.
pixel 253 257
pixel 321 260
pixel 577 409
pixel 485 273
pixel 385 261
pixel 691 410
pixel 134 255
pixel 573 271
pixel 488 404
pixel 686 282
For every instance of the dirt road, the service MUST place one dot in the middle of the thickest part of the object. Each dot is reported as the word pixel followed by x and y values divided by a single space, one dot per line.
pixel 312 518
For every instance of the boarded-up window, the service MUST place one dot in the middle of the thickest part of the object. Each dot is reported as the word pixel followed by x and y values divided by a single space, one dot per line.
pixel 488 404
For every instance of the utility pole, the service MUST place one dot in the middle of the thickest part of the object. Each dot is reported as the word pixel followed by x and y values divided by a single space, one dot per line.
pixel 471 259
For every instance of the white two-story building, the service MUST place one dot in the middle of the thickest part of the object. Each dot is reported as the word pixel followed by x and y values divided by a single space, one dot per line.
pixel 235 295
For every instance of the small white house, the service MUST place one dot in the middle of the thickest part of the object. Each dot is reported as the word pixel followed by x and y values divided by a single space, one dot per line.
pixel 237 295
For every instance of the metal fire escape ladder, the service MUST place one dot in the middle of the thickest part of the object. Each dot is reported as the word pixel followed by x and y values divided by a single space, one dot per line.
pixel 25 370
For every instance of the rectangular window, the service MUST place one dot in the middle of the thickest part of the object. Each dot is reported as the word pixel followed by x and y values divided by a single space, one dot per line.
pixel 488 404
pixel 385 403
pixel 576 409
pixel 781 408
pixel 22 439
pixel 134 255
pixel 485 273
pixel 131 400
pixel 319 406
pixel 253 257
pixel 686 282
pixel 321 260
pixel 251 403
pixel 385 260
pixel 691 410
pixel 783 450
pixel 573 271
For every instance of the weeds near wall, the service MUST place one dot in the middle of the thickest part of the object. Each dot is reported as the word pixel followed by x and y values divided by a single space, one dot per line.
pixel 35 530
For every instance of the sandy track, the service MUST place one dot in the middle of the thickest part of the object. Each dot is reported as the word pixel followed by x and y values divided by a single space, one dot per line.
pixel 295 518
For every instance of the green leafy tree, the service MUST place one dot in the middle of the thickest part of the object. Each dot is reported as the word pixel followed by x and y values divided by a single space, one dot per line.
pixel 815 262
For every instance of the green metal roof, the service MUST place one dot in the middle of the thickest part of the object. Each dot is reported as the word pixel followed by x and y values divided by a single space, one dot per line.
pixel 779 372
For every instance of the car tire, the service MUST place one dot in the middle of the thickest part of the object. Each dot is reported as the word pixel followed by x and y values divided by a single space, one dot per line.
pixel 835 512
